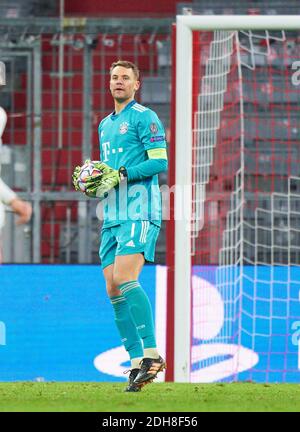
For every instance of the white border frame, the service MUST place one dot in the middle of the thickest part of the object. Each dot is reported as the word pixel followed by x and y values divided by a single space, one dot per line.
pixel 185 24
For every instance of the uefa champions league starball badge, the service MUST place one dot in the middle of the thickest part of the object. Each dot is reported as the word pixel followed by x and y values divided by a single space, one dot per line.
pixel 153 128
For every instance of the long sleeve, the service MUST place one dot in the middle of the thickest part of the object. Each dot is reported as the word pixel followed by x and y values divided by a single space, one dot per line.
pixel 146 169
pixel 3 120
pixel 6 194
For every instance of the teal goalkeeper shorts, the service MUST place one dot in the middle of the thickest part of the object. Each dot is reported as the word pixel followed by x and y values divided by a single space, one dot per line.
pixel 128 238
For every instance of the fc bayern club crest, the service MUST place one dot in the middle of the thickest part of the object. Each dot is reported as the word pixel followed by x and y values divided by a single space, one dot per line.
pixel 153 128
pixel 123 128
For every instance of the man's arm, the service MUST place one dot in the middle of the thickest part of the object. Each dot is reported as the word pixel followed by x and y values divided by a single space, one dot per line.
pixel 22 208
pixel 97 187
pixel 157 162
pixel 6 194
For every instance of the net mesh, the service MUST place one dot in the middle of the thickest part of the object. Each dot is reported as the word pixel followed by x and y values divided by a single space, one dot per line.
pixel 246 222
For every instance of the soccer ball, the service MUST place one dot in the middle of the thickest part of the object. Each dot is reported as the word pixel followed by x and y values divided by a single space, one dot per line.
pixel 87 170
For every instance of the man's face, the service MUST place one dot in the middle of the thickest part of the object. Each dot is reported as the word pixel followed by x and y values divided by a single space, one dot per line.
pixel 123 84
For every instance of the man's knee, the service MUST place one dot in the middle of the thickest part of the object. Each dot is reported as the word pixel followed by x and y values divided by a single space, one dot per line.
pixel 120 278
pixel 127 268
pixel 112 289
pixel 115 280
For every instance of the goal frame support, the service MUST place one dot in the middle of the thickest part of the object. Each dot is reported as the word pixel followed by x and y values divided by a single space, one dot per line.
pixel 185 24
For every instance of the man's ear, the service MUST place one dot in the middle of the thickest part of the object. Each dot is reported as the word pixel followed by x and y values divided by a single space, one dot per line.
pixel 137 85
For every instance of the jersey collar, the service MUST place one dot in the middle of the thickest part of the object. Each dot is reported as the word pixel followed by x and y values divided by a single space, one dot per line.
pixel 114 116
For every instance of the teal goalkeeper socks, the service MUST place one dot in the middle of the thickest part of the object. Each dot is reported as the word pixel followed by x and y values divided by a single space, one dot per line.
pixel 126 326
pixel 141 311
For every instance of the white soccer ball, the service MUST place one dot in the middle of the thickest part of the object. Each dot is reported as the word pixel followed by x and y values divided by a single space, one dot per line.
pixel 87 170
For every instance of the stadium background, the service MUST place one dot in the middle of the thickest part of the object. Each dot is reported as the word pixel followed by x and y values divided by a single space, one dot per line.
pixel 54 102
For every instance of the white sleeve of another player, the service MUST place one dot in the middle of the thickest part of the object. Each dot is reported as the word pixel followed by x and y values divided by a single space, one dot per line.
pixel 3 120
pixel 2 220
pixel 6 194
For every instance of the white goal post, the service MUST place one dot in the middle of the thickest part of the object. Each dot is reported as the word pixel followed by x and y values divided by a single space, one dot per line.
pixel 185 25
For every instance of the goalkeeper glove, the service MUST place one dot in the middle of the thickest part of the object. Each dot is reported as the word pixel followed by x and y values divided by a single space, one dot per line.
pixel 78 182
pixel 75 177
pixel 98 187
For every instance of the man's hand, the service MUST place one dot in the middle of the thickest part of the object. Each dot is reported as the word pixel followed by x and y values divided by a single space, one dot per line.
pixel 98 187
pixel 105 169
pixel 21 208
pixel 77 173
pixel 75 177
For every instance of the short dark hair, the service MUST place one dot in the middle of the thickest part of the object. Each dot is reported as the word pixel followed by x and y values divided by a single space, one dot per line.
pixel 126 64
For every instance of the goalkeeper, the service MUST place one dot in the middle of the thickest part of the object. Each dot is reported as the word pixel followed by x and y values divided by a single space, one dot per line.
pixel 133 153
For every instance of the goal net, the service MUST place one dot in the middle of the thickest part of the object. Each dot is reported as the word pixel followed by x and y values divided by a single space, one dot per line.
pixel 237 254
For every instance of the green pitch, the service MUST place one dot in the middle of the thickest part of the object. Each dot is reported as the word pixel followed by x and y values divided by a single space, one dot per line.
pixel 156 397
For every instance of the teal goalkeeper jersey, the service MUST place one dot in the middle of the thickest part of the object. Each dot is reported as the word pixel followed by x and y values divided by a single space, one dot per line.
pixel 124 141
